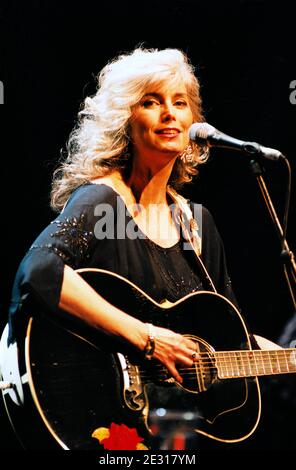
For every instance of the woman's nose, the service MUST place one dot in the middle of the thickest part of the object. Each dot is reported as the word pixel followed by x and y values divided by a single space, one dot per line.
pixel 168 112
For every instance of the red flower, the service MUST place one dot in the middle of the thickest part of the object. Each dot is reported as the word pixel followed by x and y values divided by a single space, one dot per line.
pixel 121 438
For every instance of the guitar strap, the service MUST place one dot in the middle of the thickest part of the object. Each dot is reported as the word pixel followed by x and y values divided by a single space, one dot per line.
pixel 190 230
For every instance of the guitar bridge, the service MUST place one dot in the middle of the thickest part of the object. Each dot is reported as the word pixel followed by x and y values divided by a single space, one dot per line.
pixel 133 391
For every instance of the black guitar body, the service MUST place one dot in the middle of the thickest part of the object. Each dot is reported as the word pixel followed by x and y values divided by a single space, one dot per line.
pixel 76 382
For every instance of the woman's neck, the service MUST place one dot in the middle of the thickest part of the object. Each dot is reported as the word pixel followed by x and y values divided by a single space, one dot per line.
pixel 148 184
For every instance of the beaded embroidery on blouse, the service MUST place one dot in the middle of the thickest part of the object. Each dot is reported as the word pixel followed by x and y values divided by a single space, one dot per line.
pixel 58 252
pixel 72 231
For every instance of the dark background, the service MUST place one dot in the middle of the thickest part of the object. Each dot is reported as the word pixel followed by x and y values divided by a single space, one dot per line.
pixel 244 53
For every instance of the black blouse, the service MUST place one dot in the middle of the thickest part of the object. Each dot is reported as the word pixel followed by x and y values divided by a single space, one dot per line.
pixel 91 233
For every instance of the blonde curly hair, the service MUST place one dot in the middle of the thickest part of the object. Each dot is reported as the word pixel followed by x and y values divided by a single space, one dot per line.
pixel 100 142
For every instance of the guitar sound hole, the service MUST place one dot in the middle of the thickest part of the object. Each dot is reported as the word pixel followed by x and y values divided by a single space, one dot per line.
pixel 200 376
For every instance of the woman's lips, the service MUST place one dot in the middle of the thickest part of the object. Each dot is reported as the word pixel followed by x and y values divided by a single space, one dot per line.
pixel 168 132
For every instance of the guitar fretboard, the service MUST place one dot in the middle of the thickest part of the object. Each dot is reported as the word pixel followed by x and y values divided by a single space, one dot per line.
pixel 235 364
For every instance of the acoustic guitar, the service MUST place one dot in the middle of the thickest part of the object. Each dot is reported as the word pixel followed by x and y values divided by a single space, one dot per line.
pixel 67 385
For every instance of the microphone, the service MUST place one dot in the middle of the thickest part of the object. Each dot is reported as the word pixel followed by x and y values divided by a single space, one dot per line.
pixel 204 133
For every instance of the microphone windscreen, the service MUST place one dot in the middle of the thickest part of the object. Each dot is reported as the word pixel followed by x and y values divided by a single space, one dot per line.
pixel 201 130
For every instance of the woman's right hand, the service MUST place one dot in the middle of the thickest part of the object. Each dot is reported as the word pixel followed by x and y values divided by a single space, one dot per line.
pixel 81 300
pixel 173 349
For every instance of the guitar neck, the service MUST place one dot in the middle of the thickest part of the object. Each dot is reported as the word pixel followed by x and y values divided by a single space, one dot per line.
pixel 237 364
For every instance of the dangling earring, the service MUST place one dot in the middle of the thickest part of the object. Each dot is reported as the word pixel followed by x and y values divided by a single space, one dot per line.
pixel 187 155
pixel 126 154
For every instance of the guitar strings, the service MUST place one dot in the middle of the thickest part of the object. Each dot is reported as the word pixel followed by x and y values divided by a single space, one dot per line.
pixel 188 374
pixel 235 364
pixel 242 366
pixel 249 359
pixel 205 368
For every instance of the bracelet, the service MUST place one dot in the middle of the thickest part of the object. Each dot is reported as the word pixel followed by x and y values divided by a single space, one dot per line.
pixel 150 345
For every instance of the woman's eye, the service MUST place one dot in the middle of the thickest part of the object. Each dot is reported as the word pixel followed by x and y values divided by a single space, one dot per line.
pixel 180 103
pixel 149 103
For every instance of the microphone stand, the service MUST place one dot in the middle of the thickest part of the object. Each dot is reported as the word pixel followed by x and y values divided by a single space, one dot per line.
pixel 286 254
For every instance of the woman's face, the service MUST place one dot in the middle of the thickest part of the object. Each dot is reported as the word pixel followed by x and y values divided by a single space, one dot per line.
pixel 160 122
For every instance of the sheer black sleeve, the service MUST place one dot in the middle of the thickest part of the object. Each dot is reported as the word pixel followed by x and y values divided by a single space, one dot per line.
pixel 69 239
